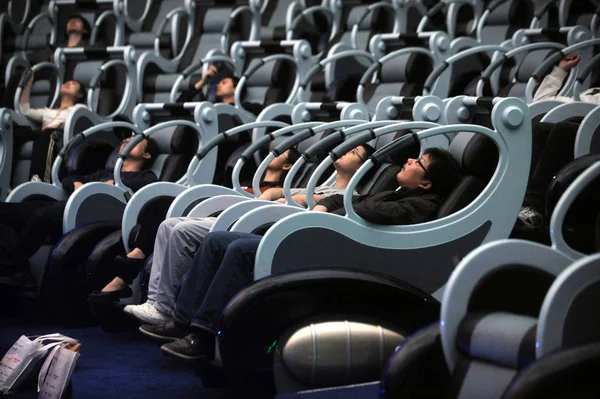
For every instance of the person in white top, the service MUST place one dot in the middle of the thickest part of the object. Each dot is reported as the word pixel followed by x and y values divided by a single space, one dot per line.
pixel 43 151
pixel 553 82
pixel 53 118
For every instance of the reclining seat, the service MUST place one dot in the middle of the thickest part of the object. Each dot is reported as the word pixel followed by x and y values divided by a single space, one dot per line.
pixel 266 81
pixel 100 20
pixel 407 370
pixel 277 255
pixel 399 73
pixel 546 15
pixel 456 18
pixel 272 14
pixel 522 62
pixel 110 92
pixel 502 19
pixel 23 47
pixel 213 34
pixel 69 260
pixel 359 20
pixel 572 13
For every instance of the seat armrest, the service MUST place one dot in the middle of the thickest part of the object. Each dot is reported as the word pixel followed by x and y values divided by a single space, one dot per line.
pixel 140 199
pixel 186 201
pixel 25 190
pixel 229 216
pixel 271 213
pixel 94 202
pixel 216 204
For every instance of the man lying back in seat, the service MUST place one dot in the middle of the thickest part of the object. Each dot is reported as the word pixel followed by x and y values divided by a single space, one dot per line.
pixel 178 240
pixel 225 90
pixel 225 262
pixel 29 223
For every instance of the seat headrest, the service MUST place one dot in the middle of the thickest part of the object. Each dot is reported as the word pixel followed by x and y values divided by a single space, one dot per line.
pixel 468 188
pixel 476 154
pixel 184 141
pixel 499 338
pixel 412 68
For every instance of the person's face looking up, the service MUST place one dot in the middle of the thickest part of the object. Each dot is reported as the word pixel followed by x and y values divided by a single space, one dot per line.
pixel 225 88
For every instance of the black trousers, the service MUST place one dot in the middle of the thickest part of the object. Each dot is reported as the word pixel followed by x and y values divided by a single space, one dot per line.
pixel 39 154
pixel 25 226
pixel 552 149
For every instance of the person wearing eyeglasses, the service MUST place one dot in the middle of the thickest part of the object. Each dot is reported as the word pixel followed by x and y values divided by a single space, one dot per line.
pixel 178 240
pixel 225 261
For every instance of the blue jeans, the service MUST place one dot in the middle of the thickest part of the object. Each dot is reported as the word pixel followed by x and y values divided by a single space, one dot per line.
pixel 222 267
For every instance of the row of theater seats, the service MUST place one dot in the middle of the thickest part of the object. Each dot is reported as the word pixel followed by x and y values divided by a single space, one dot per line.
pixel 493 180
pixel 489 138
pixel 395 64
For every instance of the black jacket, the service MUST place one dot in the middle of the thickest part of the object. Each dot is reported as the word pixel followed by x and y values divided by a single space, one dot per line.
pixel 405 206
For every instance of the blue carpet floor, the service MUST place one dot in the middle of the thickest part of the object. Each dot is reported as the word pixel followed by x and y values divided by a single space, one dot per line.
pixel 119 365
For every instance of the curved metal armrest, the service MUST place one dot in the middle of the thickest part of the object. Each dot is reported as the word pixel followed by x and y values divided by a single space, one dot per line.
pixel 70 129
pixel 140 199
pixel 232 214
pixel 118 34
pixel 541 108
pixel 216 204
pixel 149 58
pixel 25 190
pixel 185 201
pixel 94 202
pixel 569 110
pixel 269 213
pixel 587 131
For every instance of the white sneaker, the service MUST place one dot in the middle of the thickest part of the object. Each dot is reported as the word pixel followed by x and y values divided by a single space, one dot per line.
pixel 129 308
pixel 147 313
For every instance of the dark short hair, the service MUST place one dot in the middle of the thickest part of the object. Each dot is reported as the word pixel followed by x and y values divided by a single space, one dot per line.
pixel 82 93
pixel 443 171
pixel 152 149
pixel 293 155
pixel 368 151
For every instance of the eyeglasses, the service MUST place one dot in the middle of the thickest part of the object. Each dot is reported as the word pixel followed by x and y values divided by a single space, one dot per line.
pixel 355 152
pixel 418 161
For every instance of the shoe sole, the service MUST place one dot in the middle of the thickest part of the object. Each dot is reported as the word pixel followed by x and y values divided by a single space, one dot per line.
pixel 159 337
pixel 148 320
pixel 182 356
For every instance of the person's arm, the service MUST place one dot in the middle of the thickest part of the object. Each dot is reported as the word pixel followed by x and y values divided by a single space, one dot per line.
pixel 330 204
pixel 552 83
pixel 24 101
pixel 272 194
pixel 411 210
pixel 189 95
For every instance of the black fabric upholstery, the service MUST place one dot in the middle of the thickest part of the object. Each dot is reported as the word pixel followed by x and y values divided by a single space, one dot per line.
pixel 463 194
pixel 514 289
pixel 579 224
pixel 418 369
pixel 480 157
pixel 88 157
pixel 563 375
pixel 386 180
pixel 184 144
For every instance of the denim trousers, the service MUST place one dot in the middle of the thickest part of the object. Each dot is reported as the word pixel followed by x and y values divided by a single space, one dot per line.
pixel 222 267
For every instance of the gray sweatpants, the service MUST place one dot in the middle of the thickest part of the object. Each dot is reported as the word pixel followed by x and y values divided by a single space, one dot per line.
pixel 175 247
